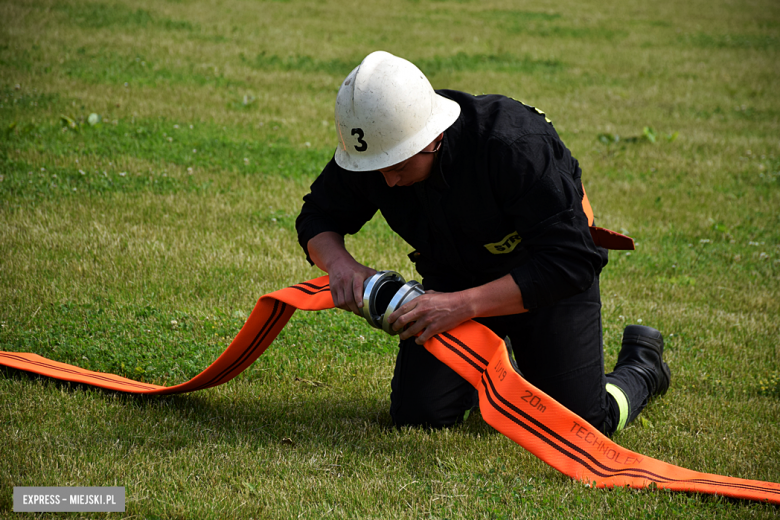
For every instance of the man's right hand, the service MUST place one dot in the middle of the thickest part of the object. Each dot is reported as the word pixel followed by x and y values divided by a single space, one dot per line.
pixel 346 286
pixel 346 274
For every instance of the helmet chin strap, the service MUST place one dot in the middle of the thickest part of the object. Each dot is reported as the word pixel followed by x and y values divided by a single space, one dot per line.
pixel 385 292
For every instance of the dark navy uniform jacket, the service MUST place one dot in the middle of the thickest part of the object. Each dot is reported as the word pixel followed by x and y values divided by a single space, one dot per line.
pixel 504 196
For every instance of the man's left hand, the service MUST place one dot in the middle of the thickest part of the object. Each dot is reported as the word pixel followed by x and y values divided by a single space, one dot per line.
pixel 430 314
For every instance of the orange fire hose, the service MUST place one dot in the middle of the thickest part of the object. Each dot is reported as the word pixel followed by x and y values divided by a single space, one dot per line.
pixel 510 404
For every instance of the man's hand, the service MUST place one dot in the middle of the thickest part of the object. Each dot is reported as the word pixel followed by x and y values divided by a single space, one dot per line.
pixel 430 314
pixel 435 312
pixel 346 285
pixel 346 274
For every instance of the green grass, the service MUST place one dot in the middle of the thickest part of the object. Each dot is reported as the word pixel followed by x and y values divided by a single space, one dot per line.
pixel 137 245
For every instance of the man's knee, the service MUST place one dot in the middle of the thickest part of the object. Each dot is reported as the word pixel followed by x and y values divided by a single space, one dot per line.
pixel 428 413
pixel 426 392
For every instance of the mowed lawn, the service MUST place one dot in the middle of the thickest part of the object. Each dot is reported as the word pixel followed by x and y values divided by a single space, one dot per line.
pixel 153 156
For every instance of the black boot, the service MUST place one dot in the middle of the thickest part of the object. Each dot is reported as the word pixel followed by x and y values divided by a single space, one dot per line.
pixel 642 351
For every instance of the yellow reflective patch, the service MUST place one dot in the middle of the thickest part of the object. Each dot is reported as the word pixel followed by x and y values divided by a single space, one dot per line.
pixel 505 245
pixel 545 115
pixel 537 110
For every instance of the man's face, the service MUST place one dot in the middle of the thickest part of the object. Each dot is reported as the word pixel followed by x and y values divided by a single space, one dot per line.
pixel 414 169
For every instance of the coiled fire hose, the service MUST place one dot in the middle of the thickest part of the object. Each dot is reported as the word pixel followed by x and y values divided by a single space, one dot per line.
pixel 507 402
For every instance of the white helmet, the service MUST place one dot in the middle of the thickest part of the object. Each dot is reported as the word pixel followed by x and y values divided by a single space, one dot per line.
pixel 386 112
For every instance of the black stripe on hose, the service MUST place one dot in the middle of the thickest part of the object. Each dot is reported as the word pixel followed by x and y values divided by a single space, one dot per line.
pixel 316 289
pixel 455 350
pixel 77 372
pixel 276 314
pixel 313 286
pixel 467 348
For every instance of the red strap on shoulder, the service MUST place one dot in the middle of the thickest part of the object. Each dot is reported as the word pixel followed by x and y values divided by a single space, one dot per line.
pixel 609 239
pixel 602 237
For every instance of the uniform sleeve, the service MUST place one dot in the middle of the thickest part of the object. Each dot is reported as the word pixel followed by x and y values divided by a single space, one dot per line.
pixel 338 201
pixel 539 188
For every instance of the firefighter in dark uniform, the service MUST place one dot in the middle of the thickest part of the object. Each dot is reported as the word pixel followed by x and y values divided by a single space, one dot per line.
pixel 491 201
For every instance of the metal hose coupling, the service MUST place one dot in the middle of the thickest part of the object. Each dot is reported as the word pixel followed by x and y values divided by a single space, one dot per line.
pixel 385 292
